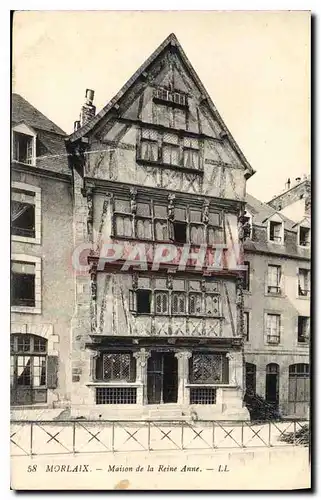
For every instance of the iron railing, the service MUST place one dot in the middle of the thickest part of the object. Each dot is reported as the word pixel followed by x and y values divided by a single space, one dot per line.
pixel 43 437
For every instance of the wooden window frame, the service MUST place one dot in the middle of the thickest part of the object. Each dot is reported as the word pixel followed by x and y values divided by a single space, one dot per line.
pixel 161 141
pixel 99 364
pixel 154 289
pixel 170 231
pixel 28 259
pixel 224 369
pixel 21 187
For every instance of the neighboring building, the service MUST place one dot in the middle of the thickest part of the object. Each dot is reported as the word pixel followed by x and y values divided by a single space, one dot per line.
pixel 295 201
pixel 41 244
pixel 277 308
pixel 156 166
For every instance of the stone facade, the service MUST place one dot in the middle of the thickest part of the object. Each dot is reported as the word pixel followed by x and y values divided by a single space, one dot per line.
pixel 49 249
pixel 284 299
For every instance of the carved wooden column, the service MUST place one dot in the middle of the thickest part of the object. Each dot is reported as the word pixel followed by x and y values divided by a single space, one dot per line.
pixel 93 301
pixel 141 374
pixel 182 374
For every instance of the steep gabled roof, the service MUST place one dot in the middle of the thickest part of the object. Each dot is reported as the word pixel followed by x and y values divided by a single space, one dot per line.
pixel 170 40
pixel 261 212
pixel 23 111
pixel 51 144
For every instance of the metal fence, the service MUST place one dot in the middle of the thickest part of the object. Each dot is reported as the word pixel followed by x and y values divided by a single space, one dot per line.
pixel 41 437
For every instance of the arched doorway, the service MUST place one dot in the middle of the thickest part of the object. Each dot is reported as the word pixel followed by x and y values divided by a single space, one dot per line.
pixel 272 384
pixel 28 369
pixel 250 378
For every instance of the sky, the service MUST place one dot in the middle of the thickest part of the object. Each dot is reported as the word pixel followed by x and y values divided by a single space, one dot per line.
pixel 255 65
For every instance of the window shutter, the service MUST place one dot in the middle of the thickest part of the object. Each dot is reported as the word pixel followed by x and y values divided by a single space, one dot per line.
pixel 52 372
pixel 225 374
pixel 132 301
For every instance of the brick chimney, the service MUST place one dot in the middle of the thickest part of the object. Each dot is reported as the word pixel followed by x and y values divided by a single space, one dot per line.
pixel 88 110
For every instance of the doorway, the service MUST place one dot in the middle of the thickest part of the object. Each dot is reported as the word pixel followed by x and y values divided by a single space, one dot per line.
pixel 272 384
pixel 162 382
pixel 250 377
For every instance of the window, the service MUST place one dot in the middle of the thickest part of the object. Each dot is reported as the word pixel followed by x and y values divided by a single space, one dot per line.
pixel 250 378
pixel 191 154
pixel 275 232
pixel 170 96
pixel 179 232
pixel 195 303
pixel 116 395
pixel 304 283
pixel 178 303
pixel 304 236
pixel 168 148
pixel 116 367
pixel 161 302
pixel 246 320
pixel 28 367
pixel 273 328
pixel 143 301
pixel 149 145
pixel 274 280
pixel 151 222
pixel 209 368
pixel 202 395
pixel 303 329
pixel 24 148
pixel 23 284
pixel 25 213
pixel 181 297
pixel 246 278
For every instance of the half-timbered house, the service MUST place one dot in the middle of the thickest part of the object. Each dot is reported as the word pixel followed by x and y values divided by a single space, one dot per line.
pixel 159 194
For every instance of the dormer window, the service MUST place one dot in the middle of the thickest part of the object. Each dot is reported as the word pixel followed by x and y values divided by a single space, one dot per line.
pixel 276 232
pixel 24 145
pixel 304 236
pixel 171 97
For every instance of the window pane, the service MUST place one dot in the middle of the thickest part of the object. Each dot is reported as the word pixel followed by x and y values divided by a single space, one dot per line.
pixel 117 366
pixel 122 206
pixel 23 344
pixel 22 219
pixel 143 209
pixel 160 211
pixel 170 154
pixel 149 151
pixel 161 231
pixel 161 302
pixel 24 370
pixel 197 234
pixel 23 289
pixel 207 368
pixel 195 303
pixel 178 303
pixel 191 158
pixel 124 226
pixel 144 229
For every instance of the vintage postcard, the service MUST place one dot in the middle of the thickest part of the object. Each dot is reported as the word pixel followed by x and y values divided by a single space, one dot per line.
pixel 160 250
